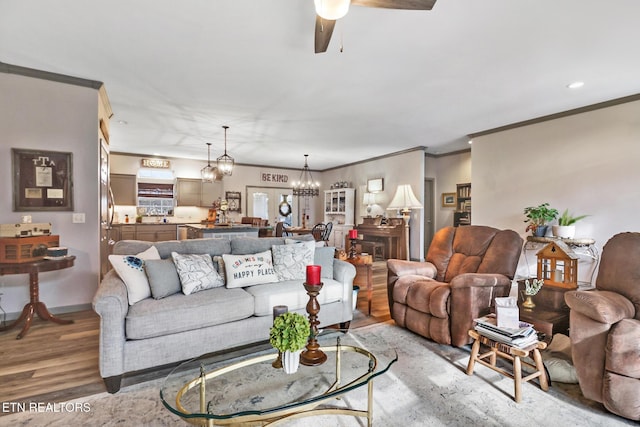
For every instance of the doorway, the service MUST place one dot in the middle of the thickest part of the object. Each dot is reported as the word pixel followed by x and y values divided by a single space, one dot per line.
pixel 429 213
pixel 274 204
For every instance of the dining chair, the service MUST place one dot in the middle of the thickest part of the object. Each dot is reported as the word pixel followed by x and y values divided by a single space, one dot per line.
pixel 318 231
pixel 327 232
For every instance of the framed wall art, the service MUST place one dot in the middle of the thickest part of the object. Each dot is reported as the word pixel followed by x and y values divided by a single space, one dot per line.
pixel 375 185
pixel 448 200
pixel 42 180
pixel 234 199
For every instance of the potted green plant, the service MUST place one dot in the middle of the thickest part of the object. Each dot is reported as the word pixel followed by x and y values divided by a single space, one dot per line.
pixel 289 335
pixel 566 228
pixel 538 217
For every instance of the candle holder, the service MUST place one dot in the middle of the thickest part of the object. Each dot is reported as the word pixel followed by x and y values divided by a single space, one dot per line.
pixel 313 356
pixel 277 311
pixel 352 248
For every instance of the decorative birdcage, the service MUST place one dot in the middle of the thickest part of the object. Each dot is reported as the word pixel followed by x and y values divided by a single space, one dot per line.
pixel 558 265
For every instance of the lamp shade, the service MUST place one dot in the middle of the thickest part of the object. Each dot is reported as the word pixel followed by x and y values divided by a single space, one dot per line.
pixel 404 199
pixel 369 199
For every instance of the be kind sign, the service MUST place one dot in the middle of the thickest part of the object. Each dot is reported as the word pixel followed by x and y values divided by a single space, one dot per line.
pixel 247 270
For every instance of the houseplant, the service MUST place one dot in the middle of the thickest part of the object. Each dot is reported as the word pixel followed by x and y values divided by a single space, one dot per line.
pixel 289 335
pixel 538 217
pixel 566 228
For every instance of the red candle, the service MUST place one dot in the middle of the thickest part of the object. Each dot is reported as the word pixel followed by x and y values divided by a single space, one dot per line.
pixel 353 234
pixel 313 274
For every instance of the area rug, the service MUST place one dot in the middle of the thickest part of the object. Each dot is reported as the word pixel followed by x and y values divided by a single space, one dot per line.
pixel 428 386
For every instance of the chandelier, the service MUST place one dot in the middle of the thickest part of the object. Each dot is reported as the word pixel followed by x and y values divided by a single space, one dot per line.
pixel 306 186
pixel 210 173
pixel 225 162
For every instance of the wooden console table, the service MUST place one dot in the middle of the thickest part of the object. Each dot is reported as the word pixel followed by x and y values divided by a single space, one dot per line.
pixel 364 274
pixel 35 306
pixel 393 237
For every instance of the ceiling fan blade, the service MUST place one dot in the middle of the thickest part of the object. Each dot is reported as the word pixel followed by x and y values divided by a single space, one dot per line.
pixel 397 4
pixel 324 29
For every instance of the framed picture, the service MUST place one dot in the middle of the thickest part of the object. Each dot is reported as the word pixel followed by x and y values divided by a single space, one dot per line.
pixel 42 180
pixel 375 185
pixel 234 199
pixel 448 200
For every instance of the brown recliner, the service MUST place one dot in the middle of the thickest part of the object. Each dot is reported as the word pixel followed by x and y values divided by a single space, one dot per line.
pixel 605 329
pixel 466 268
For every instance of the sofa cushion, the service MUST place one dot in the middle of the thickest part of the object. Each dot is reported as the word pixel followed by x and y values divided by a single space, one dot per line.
pixel 192 246
pixel 218 263
pixel 130 268
pixel 250 269
pixel 292 294
pixel 290 261
pixel 324 258
pixel 178 312
pixel 196 272
pixel 254 245
pixel 163 277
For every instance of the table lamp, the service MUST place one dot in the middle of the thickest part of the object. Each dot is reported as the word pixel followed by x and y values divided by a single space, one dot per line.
pixel 369 199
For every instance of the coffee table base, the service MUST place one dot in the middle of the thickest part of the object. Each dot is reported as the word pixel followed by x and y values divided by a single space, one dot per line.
pixel 280 416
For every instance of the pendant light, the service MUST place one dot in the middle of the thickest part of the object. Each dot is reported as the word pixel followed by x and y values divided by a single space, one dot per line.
pixel 306 186
pixel 208 173
pixel 225 162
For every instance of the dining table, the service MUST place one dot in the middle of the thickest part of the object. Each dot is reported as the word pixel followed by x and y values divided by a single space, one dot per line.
pixel 298 230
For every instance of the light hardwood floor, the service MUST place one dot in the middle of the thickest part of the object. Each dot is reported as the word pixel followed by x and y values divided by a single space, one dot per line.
pixel 55 363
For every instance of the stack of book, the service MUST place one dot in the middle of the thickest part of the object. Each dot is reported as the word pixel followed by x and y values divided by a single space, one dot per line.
pixel 521 337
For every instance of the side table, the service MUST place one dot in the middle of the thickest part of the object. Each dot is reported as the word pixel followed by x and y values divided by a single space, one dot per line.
pixel 35 306
pixel 546 322
pixel 364 275
pixel 550 315
pixel 513 354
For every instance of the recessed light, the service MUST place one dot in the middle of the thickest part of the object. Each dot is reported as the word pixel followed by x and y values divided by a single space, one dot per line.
pixel 123 122
pixel 575 85
pixel 470 141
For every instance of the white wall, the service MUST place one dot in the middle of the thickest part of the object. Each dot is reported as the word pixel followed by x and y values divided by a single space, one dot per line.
pixel 588 163
pixel 45 115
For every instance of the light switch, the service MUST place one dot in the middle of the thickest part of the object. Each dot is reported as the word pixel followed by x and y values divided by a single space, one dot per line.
pixel 78 218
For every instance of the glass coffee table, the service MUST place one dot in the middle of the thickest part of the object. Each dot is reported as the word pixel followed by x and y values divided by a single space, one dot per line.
pixel 248 390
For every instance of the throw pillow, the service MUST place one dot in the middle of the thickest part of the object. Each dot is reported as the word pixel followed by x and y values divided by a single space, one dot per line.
pixel 290 261
pixel 324 258
pixel 163 277
pixel 218 263
pixel 130 268
pixel 247 270
pixel 196 272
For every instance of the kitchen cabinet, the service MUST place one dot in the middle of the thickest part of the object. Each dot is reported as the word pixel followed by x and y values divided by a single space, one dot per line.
pixel 147 232
pixel 194 192
pixel 124 189
pixel 127 232
pixel 339 208
pixel 156 232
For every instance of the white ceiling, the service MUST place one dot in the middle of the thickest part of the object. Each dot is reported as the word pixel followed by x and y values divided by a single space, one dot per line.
pixel 177 70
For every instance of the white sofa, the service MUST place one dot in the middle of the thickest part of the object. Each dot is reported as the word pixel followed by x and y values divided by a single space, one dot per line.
pixel 156 332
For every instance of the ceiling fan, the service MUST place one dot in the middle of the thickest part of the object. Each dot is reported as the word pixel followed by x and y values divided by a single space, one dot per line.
pixel 328 11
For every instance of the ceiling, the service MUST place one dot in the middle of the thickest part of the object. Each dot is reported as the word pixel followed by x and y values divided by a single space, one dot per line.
pixel 176 71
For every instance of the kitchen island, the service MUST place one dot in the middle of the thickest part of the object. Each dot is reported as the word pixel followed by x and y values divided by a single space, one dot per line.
pixel 197 231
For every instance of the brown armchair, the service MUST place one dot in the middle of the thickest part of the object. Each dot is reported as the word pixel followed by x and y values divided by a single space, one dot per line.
pixel 466 268
pixel 605 329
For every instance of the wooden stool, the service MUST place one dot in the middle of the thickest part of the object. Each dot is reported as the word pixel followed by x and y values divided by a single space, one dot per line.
pixel 510 353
